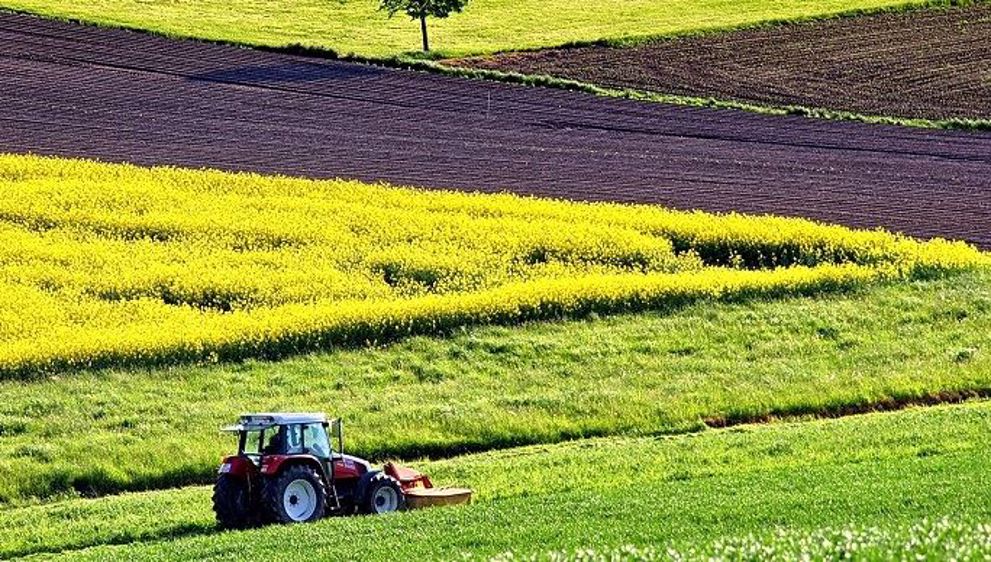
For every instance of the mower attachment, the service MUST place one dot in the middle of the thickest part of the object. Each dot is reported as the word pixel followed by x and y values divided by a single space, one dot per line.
pixel 420 492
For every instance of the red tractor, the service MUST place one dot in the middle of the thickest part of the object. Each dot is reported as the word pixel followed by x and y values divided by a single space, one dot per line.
pixel 287 471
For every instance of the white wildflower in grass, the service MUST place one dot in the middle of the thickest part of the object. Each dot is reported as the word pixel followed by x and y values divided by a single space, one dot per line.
pixel 943 539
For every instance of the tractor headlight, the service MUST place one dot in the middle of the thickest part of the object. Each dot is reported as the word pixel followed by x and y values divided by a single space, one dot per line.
pixel 225 468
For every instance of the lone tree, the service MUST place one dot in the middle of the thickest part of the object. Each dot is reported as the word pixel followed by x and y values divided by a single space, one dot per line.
pixel 421 9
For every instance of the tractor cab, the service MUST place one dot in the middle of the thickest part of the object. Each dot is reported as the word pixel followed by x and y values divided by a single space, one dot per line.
pixel 263 436
pixel 291 467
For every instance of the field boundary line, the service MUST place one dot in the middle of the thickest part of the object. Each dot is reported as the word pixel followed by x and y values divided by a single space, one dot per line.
pixel 433 63
pixel 542 80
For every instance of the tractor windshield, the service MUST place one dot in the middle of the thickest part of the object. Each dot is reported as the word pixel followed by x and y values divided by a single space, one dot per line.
pixel 251 442
pixel 315 440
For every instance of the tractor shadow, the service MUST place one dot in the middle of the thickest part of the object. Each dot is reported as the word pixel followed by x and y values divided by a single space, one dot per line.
pixel 180 531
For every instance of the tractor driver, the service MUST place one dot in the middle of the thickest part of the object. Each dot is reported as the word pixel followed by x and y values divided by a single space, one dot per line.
pixel 277 444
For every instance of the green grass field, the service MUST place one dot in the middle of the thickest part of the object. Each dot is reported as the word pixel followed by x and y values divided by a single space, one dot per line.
pixel 889 470
pixel 497 387
pixel 356 26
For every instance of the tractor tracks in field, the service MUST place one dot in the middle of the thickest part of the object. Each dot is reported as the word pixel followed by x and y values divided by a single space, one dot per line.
pixel 887 404
pixel 116 95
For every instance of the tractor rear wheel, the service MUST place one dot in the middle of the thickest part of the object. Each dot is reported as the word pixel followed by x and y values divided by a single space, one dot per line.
pixel 231 503
pixel 383 494
pixel 298 495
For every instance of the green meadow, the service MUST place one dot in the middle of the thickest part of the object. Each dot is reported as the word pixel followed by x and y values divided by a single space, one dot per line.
pixel 486 26
pixel 890 470
pixel 499 387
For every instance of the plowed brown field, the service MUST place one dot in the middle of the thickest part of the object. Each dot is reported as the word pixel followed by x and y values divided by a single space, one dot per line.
pixel 122 96
pixel 932 64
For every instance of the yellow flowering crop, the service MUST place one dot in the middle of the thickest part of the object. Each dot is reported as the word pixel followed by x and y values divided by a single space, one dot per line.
pixel 108 264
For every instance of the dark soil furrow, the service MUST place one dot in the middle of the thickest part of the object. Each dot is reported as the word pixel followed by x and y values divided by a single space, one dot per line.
pixel 929 64
pixel 122 96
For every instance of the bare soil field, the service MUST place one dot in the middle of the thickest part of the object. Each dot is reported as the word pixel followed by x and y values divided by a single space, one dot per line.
pixel 928 64
pixel 123 96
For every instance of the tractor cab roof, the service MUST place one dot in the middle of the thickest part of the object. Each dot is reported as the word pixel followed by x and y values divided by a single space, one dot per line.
pixel 249 422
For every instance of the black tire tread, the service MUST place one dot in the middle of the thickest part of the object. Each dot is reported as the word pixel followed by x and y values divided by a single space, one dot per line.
pixel 230 503
pixel 273 488
pixel 374 483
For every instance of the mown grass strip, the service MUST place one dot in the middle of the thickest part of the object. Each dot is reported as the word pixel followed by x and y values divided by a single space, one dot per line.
pixel 499 387
pixel 602 493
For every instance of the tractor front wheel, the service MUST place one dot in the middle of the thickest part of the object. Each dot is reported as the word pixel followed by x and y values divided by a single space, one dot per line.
pixel 298 495
pixel 231 503
pixel 383 494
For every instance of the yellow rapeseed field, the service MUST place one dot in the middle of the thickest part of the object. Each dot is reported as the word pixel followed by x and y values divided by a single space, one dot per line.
pixel 108 264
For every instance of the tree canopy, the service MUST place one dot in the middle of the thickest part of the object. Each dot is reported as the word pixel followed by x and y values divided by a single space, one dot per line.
pixel 422 9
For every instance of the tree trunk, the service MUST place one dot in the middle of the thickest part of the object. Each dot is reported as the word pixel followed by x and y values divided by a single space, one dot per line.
pixel 423 31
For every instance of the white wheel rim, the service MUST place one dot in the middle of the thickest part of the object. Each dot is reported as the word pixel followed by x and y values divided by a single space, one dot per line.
pixel 385 500
pixel 299 500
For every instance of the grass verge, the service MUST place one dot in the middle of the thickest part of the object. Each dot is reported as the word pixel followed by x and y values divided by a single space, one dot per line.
pixel 680 491
pixel 497 387
pixel 463 70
